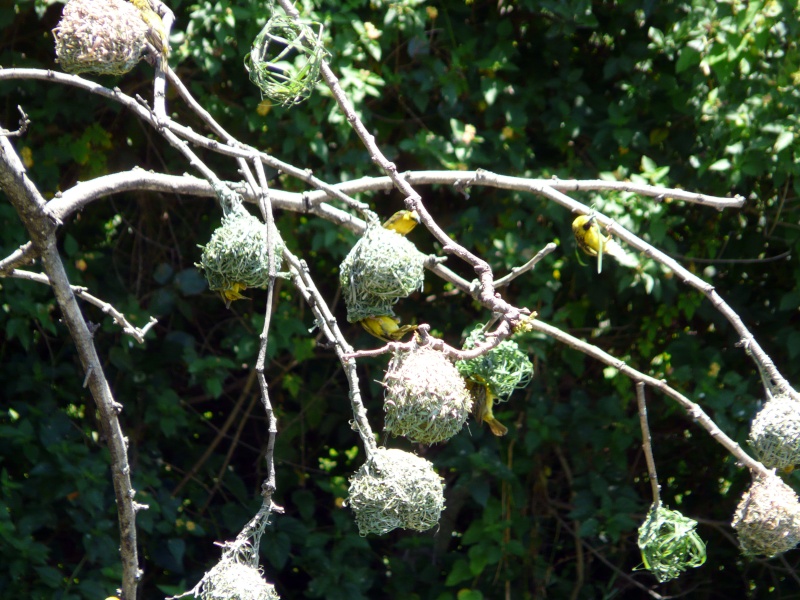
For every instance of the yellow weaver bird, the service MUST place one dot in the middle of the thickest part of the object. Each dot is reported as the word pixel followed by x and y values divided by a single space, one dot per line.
pixel 482 403
pixel 594 243
pixel 386 328
pixel 402 221
pixel 156 34
pixel 232 293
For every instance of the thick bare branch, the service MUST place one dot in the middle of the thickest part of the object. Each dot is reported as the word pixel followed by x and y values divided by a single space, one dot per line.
pixel 41 226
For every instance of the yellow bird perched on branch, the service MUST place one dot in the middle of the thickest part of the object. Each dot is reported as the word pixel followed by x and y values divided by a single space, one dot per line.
pixel 594 243
pixel 156 33
pixel 482 404
pixel 403 221
pixel 386 328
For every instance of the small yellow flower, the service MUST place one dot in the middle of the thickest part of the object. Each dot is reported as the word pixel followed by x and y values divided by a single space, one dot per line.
pixel 469 134
pixel 372 32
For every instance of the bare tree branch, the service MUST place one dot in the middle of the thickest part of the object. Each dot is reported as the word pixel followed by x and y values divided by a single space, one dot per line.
pixel 41 226
pixel 82 292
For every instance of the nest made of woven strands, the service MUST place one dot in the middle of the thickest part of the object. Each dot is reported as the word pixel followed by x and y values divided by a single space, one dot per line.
pixel 775 433
pixel 237 253
pixel 504 368
pixel 425 398
pixel 669 543
pixel 380 269
pixel 285 59
pixel 100 36
pixel 767 520
pixel 395 489
pixel 232 580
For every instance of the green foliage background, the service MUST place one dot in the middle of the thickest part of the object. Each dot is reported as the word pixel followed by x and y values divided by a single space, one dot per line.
pixel 701 95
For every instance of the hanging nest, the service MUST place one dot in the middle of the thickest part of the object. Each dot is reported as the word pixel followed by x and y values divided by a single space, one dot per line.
pixel 775 433
pixel 503 369
pixel 380 269
pixel 767 519
pixel 100 36
pixel 232 580
pixel 395 489
pixel 425 399
pixel 236 257
pixel 285 60
pixel 669 543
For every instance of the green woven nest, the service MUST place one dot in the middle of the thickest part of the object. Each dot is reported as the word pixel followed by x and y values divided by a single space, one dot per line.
pixel 237 252
pixel 100 36
pixel 380 269
pixel 504 369
pixel 775 433
pixel 395 489
pixel 767 520
pixel 425 399
pixel 669 543
pixel 232 580
pixel 285 60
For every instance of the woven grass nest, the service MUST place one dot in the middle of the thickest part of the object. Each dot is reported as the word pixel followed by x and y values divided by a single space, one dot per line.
pixel 669 543
pixel 767 520
pixel 232 580
pixel 504 368
pixel 285 60
pixel 426 399
pixel 380 269
pixel 237 255
pixel 775 433
pixel 395 489
pixel 107 37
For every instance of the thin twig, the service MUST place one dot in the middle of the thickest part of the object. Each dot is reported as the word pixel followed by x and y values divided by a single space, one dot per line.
pixel 646 443
pixel 268 486
pixel 521 270
pixel 24 121
pixel 301 277
pixel 24 255
pixel 692 409
pixel 82 292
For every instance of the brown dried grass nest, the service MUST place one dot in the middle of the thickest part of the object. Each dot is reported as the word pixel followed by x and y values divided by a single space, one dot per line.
pixel 426 399
pixel 767 520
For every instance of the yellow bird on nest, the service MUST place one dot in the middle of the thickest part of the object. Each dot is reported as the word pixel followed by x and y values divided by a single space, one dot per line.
pixel 483 402
pixel 232 293
pixel 403 221
pixel 386 328
pixel 156 34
